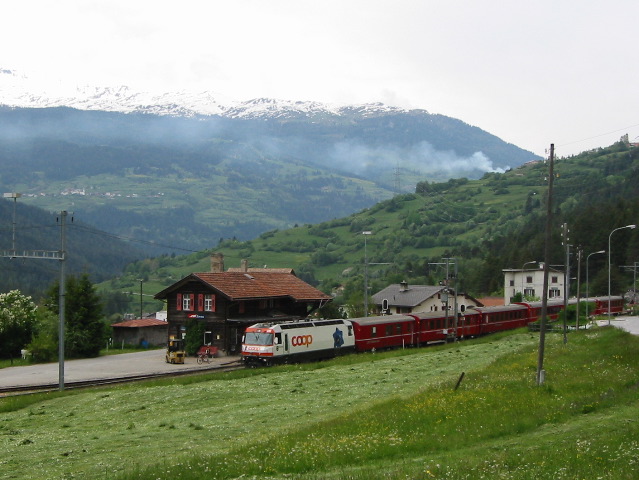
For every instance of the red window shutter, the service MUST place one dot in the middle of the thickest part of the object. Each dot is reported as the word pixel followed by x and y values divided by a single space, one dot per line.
pixel 200 302
pixel 179 302
pixel 212 303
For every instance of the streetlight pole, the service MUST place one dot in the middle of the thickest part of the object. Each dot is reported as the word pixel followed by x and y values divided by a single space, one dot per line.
pixel 587 293
pixel 522 277
pixel 141 280
pixel 366 233
pixel 610 262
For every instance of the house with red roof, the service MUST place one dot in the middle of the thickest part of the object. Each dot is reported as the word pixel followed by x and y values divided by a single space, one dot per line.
pixel 226 302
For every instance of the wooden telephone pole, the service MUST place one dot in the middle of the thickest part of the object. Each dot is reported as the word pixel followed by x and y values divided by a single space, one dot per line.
pixel 544 299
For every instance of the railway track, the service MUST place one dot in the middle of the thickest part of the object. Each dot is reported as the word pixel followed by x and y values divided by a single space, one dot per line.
pixel 50 387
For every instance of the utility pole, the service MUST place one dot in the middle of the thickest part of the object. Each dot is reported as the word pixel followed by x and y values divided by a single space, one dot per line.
pixel 366 233
pixel 51 255
pixel 544 298
pixel 447 290
pixel 579 252
pixel 565 243
pixel 634 281
pixel 61 299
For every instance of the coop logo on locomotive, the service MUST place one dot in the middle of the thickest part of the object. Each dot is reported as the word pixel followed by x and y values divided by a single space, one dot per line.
pixel 301 340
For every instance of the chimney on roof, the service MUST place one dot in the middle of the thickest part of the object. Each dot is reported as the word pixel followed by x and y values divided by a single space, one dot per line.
pixel 403 286
pixel 244 265
pixel 217 263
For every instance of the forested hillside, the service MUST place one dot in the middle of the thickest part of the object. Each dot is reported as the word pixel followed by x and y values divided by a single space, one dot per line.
pixel 88 250
pixel 488 224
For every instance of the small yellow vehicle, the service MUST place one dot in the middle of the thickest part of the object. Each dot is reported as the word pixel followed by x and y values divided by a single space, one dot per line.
pixel 175 352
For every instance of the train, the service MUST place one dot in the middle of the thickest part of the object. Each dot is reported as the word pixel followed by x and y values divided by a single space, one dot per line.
pixel 291 342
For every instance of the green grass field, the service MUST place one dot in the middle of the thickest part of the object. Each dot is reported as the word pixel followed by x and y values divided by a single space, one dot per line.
pixel 394 415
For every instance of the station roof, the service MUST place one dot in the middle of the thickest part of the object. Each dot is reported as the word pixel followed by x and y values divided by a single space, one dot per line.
pixel 254 285
pixel 140 322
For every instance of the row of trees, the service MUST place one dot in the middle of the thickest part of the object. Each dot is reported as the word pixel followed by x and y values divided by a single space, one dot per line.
pixel 25 324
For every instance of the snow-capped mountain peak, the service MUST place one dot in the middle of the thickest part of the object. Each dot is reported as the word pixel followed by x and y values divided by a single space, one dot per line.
pixel 17 90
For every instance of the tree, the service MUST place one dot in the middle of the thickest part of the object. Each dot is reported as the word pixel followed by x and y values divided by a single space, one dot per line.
pixel 194 337
pixel 17 322
pixel 84 328
pixel 44 346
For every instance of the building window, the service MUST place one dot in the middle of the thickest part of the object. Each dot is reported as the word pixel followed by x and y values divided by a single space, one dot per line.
pixel 554 293
pixel 529 279
pixel 529 292
pixel 187 301
pixel 512 283
pixel 555 279
pixel 209 302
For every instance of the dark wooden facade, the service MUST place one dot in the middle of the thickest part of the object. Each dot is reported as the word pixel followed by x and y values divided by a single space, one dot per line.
pixel 228 302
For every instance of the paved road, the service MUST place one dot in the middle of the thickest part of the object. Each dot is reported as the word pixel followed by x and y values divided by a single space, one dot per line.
pixel 630 324
pixel 127 364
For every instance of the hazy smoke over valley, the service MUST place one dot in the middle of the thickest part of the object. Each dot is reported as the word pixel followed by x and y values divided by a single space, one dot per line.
pixel 421 158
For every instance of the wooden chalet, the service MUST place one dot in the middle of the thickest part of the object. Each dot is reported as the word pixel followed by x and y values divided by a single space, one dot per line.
pixel 229 301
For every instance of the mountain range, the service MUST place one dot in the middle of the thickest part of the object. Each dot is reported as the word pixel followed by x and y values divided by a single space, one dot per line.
pixel 189 169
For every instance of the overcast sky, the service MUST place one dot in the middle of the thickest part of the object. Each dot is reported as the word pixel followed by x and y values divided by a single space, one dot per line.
pixel 532 73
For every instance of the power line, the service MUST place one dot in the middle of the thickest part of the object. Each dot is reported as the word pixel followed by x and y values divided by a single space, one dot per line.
pixel 131 239
pixel 600 135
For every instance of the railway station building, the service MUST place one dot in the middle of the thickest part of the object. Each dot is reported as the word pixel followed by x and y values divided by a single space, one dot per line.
pixel 226 302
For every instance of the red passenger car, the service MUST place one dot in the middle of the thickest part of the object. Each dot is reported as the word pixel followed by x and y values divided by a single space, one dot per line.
pixel 389 331
pixel 616 305
pixel 434 327
pixel 496 319
pixel 553 309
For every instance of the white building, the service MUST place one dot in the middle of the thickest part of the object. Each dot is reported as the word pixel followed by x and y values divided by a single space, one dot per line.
pixel 530 281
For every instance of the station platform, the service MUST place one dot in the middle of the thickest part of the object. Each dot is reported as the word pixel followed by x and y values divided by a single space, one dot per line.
pixel 109 366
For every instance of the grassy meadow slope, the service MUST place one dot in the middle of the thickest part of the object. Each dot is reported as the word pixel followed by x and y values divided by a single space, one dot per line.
pixel 387 415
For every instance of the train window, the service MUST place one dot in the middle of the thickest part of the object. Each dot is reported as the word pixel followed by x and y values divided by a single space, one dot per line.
pixel 399 328
pixel 373 331
pixel 389 330
pixel 258 338
pixel 350 330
